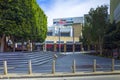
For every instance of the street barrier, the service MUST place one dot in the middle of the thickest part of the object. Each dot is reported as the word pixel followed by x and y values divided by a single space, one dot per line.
pixel 94 65
pixel 5 68
pixel 53 67
pixel 74 66
pixel 113 64
pixel 30 67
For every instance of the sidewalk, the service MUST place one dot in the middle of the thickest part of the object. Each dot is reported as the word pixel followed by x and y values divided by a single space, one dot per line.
pixel 49 75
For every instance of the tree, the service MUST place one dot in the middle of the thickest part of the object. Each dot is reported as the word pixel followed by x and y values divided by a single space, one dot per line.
pixel 98 21
pixel 22 20
pixel 111 38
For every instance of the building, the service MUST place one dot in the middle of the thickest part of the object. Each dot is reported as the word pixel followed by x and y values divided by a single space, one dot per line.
pixel 66 28
pixel 65 31
pixel 68 21
pixel 115 11
pixel 51 31
pixel 74 22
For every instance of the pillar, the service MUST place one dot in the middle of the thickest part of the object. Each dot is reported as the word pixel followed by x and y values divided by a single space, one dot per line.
pixel 65 47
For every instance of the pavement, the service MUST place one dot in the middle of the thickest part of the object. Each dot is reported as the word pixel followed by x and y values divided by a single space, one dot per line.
pixel 57 75
pixel 42 65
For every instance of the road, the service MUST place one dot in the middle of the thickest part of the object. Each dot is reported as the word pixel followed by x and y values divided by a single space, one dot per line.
pixel 83 63
pixel 42 62
pixel 102 77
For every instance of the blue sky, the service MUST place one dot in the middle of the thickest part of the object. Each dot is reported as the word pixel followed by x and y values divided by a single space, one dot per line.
pixel 68 8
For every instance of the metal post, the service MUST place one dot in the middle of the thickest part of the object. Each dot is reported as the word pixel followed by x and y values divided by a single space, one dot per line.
pixel 113 64
pixel 74 66
pixel 73 42
pixel 59 41
pixel 5 68
pixel 53 67
pixel 30 67
pixel 94 66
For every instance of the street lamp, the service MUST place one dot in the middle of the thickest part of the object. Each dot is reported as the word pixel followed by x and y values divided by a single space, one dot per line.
pixel 59 40
pixel 73 41
pixel 82 48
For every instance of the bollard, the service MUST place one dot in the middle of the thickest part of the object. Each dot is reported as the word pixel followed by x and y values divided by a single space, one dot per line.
pixel 30 67
pixel 53 67
pixel 74 66
pixel 5 68
pixel 94 65
pixel 112 65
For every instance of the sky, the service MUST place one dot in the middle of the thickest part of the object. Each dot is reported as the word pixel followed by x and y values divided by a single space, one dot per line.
pixel 68 8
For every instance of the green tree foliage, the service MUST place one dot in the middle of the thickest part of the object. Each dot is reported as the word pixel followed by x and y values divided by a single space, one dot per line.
pixel 97 21
pixel 108 38
pixel 41 23
pixel 112 39
pixel 22 19
pixel 112 36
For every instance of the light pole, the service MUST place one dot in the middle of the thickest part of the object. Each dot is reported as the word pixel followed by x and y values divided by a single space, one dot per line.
pixel 82 48
pixel 59 41
pixel 73 41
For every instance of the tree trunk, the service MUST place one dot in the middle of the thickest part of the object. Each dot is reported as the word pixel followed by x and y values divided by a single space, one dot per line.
pixel 96 48
pixel 101 50
pixel 119 52
pixel 13 44
pixel 22 46
pixel 100 45
pixel 88 47
pixel 2 41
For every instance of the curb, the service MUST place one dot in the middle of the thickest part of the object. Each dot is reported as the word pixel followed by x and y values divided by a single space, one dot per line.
pixel 49 75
